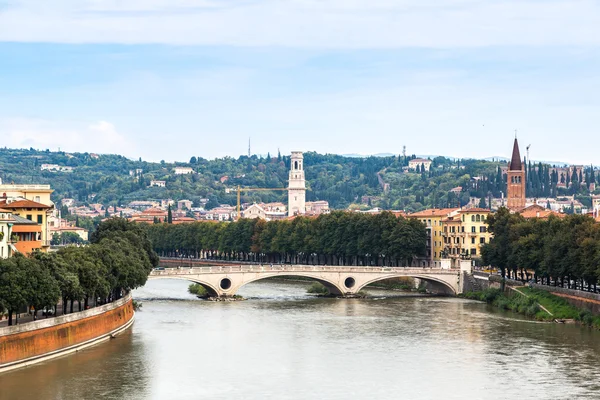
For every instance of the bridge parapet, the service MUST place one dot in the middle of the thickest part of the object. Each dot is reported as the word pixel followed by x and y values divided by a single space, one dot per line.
pixel 225 280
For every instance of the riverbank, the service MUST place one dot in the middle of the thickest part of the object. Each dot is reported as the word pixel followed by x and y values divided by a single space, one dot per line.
pixel 34 342
pixel 536 303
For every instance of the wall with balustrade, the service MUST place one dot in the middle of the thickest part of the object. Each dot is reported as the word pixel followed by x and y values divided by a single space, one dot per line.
pixel 32 342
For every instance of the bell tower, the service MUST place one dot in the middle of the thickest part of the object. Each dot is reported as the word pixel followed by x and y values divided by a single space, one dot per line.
pixel 297 185
pixel 515 192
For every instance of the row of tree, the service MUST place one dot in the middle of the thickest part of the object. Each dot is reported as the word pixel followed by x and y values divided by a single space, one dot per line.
pixel 118 260
pixel 558 251
pixel 339 238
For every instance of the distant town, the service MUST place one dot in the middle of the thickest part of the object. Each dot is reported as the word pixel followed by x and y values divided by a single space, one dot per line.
pixel 33 218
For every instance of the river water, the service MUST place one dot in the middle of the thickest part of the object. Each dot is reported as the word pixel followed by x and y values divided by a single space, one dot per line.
pixel 283 344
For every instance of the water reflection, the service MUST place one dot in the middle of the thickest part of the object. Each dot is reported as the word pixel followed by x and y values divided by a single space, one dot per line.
pixel 283 344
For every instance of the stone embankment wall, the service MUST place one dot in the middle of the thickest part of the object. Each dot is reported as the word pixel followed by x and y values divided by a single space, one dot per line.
pixel 37 341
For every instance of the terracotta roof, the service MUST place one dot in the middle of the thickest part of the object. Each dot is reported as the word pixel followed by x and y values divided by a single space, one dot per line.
pixel 4 210
pixel 476 210
pixel 434 212
pixel 536 211
pixel 515 161
pixel 23 204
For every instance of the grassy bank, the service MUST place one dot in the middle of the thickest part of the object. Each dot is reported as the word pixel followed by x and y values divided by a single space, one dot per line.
pixel 529 304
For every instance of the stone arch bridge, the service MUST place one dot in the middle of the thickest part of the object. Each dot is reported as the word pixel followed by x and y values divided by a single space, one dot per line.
pixel 226 280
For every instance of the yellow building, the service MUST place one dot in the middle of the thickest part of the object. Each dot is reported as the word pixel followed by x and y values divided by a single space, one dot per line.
pixel 32 202
pixel 465 233
pixel 37 193
pixel 433 221
pixel 33 211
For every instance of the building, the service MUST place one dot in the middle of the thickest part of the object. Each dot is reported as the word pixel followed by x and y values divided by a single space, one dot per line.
pixel 537 211
pixel 56 168
pixel 268 212
pixel 297 185
pixel 183 170
pixel 33 211
pixel 433 221
pixel 150 215
pixel 184 205
pixel 465 233
pixel 317 207
pixel 27 236
pixel 67 202
pixel 37 193
pixel 143 205
pixel 158 184
pixel 419 163
pixel 515 192
pixel 6 224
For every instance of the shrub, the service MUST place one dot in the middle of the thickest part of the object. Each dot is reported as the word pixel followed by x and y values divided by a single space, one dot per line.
pixel 198 290
pixel 318 288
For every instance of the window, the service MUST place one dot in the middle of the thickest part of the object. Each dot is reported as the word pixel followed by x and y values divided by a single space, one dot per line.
pixel 40 219
pixel 481 240
pixel 478 218
pixel 472 218
pixel 483 229
pixel 37 199
pixel 29 217
pixel 473 252
pixel 473 229
pixel 472 240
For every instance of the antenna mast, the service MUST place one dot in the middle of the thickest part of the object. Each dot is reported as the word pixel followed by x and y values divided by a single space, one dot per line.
pixel 248 147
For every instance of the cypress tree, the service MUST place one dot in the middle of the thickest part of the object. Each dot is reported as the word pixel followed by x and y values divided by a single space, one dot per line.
pixel 169 216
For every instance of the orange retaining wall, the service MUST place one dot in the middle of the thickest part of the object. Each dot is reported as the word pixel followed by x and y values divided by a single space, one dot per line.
pixel 40 340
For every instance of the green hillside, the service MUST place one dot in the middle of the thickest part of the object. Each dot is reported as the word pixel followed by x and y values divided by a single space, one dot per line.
pixel 343 181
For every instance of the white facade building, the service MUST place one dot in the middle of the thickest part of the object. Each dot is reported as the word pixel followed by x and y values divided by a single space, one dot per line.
pixel 419 162
pixel 297 185
pixel 6 222
pixel 56 168
pixel 183 170
pixel 158 183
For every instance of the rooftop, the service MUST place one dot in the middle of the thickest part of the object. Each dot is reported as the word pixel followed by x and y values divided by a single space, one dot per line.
pixel 434 212
pixel 23 204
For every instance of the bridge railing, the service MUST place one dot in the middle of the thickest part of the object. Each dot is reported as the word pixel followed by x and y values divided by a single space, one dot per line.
pixel 220 269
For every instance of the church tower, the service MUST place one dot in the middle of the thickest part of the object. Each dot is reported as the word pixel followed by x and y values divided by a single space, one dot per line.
pixel 297 185
pixel 515 192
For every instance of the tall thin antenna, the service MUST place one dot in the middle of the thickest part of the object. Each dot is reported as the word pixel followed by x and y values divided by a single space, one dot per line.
pixel 528 160
pixel 248 147
pixel 515 133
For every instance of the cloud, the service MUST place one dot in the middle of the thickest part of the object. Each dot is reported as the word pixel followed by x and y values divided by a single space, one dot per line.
pixel 97 137
pixel 307 23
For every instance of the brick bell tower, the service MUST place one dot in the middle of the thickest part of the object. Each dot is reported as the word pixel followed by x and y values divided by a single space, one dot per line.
pixel 515 192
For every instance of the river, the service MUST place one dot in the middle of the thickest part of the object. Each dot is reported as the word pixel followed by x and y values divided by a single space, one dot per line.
pixel 283 344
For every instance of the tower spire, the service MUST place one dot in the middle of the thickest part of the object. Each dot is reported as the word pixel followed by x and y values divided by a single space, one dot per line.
pixel 515 160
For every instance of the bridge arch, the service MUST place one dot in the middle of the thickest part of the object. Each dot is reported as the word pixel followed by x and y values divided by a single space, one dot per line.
pixel 426 278
pixel 210 288
pixel 333 287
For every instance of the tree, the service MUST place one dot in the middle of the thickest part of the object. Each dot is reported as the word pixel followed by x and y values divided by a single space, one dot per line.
pixel 15 288
pixel 482 203
pixel 169 216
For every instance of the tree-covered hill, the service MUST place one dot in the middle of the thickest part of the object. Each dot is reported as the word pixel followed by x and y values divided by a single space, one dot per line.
pixel 343 181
